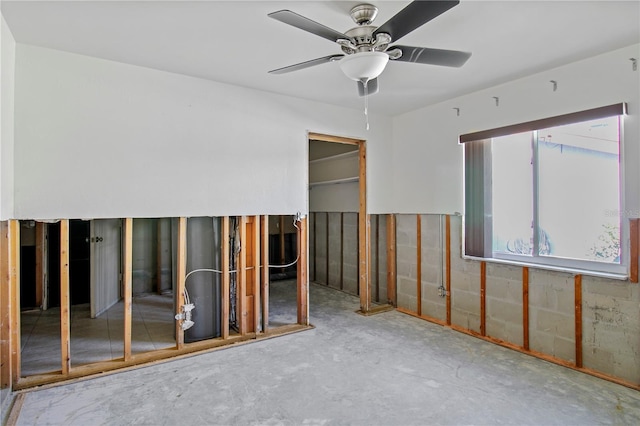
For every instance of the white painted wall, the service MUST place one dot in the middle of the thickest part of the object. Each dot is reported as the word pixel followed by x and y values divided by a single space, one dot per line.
pixel 428 162
pixel 96 139
pixel 7 71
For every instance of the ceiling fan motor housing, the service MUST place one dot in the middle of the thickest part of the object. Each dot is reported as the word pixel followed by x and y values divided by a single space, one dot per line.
pixel 364 14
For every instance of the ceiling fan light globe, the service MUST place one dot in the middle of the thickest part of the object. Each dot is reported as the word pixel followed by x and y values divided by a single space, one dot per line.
pixel 364 66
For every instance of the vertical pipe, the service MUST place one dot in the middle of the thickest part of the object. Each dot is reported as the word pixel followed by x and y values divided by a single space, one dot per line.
pixel 127 285
pixel 525 308
pixel 391 259
pixel 264 254
pixel 448 265
pixel 225 277
pixel 578 318
pixel 181 267
pixel 419 264
pixel 483 300
pixel 65 320
pixel 302 279
pixel 241 293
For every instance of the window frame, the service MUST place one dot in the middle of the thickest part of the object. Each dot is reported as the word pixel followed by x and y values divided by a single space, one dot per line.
pixel 477 235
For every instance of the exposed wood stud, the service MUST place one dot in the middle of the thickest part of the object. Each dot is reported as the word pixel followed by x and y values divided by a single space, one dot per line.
pixel 578 318
pixel 181 266
pixel 225 277
pixel 634 238
pixel 419 264
pixel 159 256
pixel 364 233
pixel 65 320
pixel 358 255
pixel 391 259
pixel 264 254
pixel 377 262
pixel 330 138
pixel 448 265
pixel 241 292
pixel 6 318
pixel 14 284
pixel 326 234
pixel 40 252
pixel 302 279
pixel 128 285
pixel 483 300
pixel 256 273
pixel 525 308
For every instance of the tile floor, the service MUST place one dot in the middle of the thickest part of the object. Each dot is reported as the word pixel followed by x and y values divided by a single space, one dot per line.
pixel 101 338
pixel 95 339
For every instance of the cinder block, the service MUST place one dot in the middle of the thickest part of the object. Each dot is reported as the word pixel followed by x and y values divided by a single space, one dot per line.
pixel 460 280
pixel 541 341
pixel 564 348
pixel 496 328
pixel 627 368
pixel 504 311
pixel 507 272
pixel 599 359
pixel 554 323
pixel 407 302
pixel 605 287
pixel 434 310
pixel 430 274
pixel 465 301
pixel 514 333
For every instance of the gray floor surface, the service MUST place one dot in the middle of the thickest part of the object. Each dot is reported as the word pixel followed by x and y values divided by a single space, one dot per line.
pixel 387 369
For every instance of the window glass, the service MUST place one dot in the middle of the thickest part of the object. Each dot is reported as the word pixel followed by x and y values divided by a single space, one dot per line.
pixel 578 182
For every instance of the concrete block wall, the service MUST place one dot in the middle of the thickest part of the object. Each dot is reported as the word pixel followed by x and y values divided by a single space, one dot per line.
pixel 406 262
pixel 552 313
pixel 610 308
pixel 465 283
pixel 433 267
pixel 378 265
pixel 342 229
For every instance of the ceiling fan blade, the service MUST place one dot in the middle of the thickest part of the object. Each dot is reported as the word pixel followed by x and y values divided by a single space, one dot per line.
pixel 425 55
pixel 306 24
pixel 372 87
pixel 306 64
pixel 416 14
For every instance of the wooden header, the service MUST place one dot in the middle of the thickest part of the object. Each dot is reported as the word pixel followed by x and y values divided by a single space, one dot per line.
pixel 544 123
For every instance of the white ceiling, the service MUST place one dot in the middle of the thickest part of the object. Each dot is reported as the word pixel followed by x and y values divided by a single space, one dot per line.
pixel 235 42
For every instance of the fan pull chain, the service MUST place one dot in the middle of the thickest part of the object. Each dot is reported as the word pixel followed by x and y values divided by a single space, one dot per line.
pixel 366 102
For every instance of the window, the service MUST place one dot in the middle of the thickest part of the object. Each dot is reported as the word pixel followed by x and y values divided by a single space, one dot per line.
pixel 547 192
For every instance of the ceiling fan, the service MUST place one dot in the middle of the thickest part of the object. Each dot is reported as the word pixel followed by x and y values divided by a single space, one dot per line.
pixel 366 48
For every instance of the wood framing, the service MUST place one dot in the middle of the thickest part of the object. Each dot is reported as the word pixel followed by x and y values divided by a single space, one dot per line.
pixel 578 318
pixel 302 278
pixel 14 285
pixel 225 277
pixel 315 246
pixel 364 235
pixel 448 266
pixel 127 280
pixel 241 281
pixel 418 265
pixel 65 300
pixel 326 235
pixel 391 259
pixel 256 274
pixel 5 308
pixel 377 261
pixel 634 249
pixel 525 308
pixel 483 298
pixel 181 266
pixel 264 255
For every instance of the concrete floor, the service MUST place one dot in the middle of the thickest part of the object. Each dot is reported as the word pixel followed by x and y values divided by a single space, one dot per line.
pixel 387 369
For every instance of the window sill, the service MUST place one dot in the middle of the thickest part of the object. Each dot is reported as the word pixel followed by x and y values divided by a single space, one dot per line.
pixel 564 269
